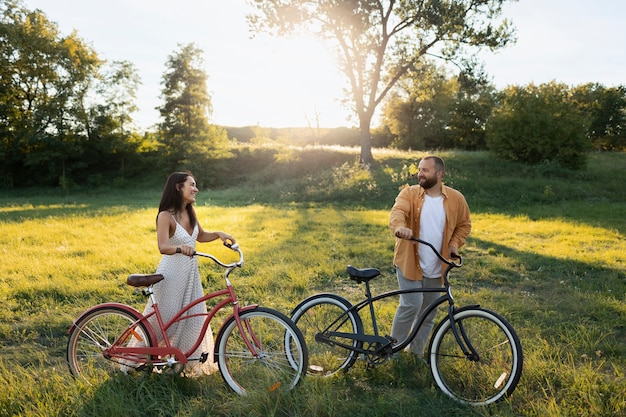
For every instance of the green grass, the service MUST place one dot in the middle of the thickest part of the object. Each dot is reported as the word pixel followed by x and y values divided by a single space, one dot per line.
pixel 546 251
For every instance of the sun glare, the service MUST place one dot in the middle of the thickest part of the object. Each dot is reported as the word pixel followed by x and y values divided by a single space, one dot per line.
pixel 291 82
pixel 261 80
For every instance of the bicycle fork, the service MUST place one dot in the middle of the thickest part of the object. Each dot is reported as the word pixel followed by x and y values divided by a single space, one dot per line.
pixel 249 337
pixel 461 336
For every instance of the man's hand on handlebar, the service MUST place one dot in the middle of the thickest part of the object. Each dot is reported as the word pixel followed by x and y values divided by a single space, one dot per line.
pixel 404 233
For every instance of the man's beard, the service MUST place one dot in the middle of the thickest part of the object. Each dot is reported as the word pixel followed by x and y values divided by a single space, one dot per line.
pixel 427 183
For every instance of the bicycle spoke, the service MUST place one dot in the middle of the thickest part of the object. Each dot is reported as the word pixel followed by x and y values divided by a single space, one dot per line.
pixel 321 313
pixel 280 353
pixel 98 331
pixel 97 337
pixel 484 379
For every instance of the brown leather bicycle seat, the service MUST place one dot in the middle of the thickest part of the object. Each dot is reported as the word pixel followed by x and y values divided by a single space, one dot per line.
pixel 144 280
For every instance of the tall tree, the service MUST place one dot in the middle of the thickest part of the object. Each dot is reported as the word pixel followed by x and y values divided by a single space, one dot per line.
pixel 473 105
pixel 118 88
pixel 44 80
pixel 108 119
pixel 378 41
pixel 185 127
pixel 419 109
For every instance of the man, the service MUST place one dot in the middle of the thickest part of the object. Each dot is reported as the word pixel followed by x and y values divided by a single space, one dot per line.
pixel 436 214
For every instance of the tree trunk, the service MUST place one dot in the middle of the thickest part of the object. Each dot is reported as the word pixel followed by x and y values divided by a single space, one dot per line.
pixel 366 140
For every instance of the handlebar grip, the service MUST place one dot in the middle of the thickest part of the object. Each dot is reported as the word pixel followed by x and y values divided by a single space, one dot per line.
pixel 233 246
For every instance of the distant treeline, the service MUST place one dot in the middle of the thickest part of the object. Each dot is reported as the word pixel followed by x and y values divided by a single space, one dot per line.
pixel 303 136
pixel 66 116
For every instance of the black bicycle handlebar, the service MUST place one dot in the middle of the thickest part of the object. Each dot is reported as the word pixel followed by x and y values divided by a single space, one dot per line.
pixel 439 255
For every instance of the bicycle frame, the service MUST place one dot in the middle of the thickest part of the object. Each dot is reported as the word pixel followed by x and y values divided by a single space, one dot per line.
pixel 474 354
pixel 138 354
pixel 386 345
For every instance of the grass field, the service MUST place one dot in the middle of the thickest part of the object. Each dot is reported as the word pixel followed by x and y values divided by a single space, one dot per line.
pixel 547 251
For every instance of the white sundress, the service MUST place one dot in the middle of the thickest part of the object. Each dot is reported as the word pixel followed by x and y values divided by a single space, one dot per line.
pixel 182 285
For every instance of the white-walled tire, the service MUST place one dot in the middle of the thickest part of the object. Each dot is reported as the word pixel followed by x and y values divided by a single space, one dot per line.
pixel 314 315
pixel 281 354
pixel 481 380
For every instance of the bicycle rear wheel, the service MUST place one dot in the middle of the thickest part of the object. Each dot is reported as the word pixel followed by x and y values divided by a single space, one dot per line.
pixel 317 315
pixel 98 330
pixel 281 355
pixel 489 376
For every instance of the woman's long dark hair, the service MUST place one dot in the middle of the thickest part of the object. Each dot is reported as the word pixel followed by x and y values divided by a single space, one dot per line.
pixel 171 199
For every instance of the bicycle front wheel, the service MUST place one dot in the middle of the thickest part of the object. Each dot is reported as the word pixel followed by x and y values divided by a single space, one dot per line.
pixel 492 369
pixel 99 329
pixel 278 358
pixel 316 317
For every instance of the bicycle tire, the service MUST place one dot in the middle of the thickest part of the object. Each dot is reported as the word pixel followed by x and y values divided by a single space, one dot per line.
pixel 282 354
pixel 490 377
pixel 312 316
pixel 97 330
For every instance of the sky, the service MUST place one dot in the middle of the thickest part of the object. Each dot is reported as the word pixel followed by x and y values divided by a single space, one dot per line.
pixel 293 82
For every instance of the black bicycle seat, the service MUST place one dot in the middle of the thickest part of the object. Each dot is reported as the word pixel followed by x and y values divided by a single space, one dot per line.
pixel 362 274
pixel 143 280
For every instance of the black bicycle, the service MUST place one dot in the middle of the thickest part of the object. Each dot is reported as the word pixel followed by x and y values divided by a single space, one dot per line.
pixel 474 354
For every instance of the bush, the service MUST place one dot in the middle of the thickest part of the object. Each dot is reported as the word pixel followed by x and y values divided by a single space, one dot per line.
pixel 536 124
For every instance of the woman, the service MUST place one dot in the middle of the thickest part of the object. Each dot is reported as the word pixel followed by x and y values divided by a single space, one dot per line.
pixel 178 231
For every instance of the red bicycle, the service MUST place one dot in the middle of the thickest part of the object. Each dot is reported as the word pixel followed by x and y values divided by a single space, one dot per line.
pixel 256 348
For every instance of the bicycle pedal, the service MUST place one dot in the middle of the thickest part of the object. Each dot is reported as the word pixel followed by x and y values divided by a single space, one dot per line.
pixel 142 368
pixel 204 357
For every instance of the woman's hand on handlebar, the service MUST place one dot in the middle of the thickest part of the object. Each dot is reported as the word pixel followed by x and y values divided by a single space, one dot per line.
pixel 185 250
pixel 227 239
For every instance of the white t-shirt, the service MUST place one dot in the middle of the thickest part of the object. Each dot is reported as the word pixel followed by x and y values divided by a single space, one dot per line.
pixel 432 223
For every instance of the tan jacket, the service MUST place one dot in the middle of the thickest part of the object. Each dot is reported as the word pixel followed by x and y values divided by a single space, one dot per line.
pixel 406 213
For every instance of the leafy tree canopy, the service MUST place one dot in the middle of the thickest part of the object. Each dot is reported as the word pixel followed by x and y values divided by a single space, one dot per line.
pixel 378 41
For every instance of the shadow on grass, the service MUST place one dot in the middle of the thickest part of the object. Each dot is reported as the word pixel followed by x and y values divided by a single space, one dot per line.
pixel 529 271
pixel 397 388
pixel 153 395
pixel 549 297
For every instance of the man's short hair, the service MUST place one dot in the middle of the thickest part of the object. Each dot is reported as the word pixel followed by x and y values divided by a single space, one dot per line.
pixel 439 164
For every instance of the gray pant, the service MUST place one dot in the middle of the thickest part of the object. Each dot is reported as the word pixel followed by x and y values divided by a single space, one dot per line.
pixel 410 308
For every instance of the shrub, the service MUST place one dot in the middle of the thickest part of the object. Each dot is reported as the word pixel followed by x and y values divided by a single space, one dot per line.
pixel 535 124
